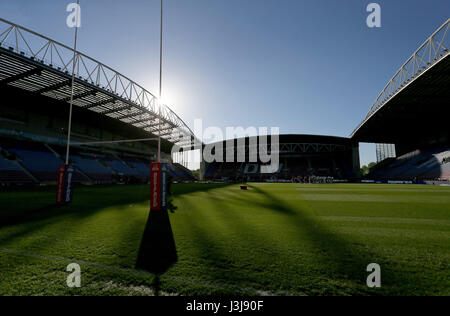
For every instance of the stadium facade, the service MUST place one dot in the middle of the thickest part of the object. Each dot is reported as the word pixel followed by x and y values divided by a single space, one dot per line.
pixel 302 158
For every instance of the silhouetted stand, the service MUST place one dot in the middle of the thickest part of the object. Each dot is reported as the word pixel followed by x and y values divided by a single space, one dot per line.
pixel 157 252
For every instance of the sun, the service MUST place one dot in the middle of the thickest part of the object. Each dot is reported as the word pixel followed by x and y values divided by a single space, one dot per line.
pixel 170 100
pixel 165 100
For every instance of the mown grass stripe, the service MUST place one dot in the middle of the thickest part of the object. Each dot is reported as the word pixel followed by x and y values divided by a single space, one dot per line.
pixel 144 273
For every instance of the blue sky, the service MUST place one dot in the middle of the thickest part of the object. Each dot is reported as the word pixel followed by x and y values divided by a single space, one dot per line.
pixel 306 66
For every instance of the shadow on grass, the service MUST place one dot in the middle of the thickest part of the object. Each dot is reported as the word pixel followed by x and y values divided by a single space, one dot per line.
pixel 219 268
pixel 33 210
pixel 187 188
pixel 31 213
pixel 40 213
pixel 341 256
pixel 157 252
pixel 347 260
pixel 20 210
pixel 18 207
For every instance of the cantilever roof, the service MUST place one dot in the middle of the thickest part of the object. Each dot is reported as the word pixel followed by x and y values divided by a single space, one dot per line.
pixel 431 57
pixel 40 65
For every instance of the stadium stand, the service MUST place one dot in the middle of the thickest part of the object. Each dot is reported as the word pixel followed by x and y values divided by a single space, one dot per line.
pixel 180 173
pixel 29 162
pixel 34 108
pixel 128 170
pixel 92 168
pixel 427 164
pixel 139 167
pixel 10 173
pixel 35 161
pixel 119 167
pixel 410 113
pixel 33 117
pixel 302 156
pixel 42 164
pixel 211 171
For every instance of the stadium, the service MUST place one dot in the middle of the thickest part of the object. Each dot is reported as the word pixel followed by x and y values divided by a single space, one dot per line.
pixel 301 157
pixel 109 108
pixel 310 228
pixel 407 114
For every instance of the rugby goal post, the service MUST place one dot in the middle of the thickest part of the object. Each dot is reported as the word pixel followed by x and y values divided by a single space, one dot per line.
pixel 158 178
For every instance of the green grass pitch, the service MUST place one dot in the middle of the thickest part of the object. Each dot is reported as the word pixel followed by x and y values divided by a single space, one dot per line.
pixel 275 239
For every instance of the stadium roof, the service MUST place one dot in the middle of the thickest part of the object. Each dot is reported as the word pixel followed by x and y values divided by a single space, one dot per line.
pixel 412 103
pixel 292 143
pixel 40 65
